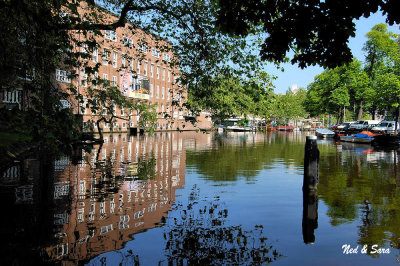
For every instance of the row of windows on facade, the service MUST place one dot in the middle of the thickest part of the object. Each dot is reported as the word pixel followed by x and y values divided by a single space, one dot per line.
pixel 128 42
pixel 125 63
pixel 64 76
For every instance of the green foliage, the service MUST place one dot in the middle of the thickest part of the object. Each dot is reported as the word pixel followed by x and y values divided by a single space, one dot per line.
pixel 317 31
pixel 289 105
pixel 235 97
pixel 339 88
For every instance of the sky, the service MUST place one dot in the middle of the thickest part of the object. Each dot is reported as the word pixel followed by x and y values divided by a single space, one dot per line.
pixel 302 77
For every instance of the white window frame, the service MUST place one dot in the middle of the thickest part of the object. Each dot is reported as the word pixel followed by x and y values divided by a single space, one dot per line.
pixel 111 35
pixel 123 61
pixel 115 59
pixel 145 68
pixel 62 76
pixel 138 67
pixel 128 42
pixel 114 81
pixel 106 54
pixel 95 56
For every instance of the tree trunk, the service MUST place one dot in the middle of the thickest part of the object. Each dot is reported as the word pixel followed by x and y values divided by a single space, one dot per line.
pixel 99 129
pixel 360 111
pixel 373 112
pixel 339 117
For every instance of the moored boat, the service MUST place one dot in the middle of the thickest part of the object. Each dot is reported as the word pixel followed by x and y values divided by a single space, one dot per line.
pixel 363 137
pixel 285 128
pixel 324 133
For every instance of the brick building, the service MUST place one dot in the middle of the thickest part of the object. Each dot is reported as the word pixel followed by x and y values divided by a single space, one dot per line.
pixel 135 62
pixel 132 61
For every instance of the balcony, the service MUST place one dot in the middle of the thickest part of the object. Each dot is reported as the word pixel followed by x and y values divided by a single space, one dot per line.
pixel 139 95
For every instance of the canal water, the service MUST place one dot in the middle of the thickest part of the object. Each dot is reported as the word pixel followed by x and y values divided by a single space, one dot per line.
pixel 197 198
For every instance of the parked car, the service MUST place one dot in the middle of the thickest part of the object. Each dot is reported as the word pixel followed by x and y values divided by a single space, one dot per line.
pixel 385 127
pixel 363 124
pixel 345 126
pixel 333 126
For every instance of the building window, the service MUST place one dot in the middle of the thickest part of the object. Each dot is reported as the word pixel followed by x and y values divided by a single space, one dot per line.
pixel 151 90
pixel 169 76
pixel 123 124
pixel 155 52
pixel 131 65
pixel 84 78
pixel 106 54
pixel 151 71
pixel 168 92
pixel 128 42
pixel 145 68
pixel 163 74
pixel 123 60
pixel 95 55
pixel 115 59
pixel 142 48
pixel 84 48
pixel 105 77
pixel 95 80
pixel 62 76
pixel 111 35
pixel 84 104
pixel 114 81
pixel 138 67
pixel 158 72
pixel 162 92
pixel 12 96
pixel 157 91
pixel 167 57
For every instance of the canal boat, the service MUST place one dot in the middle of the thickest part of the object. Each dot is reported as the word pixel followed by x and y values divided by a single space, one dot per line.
pixel 284 128
pixel 324 133
pixel 239 129
pixel 362 137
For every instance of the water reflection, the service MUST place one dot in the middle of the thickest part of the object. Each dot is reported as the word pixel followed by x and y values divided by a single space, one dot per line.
pixel 79 211
pixel 310 216
pixel 60 212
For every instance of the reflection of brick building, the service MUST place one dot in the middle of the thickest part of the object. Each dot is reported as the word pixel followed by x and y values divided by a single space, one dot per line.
pixel 107 208
pixel 135 62
pixel 76 212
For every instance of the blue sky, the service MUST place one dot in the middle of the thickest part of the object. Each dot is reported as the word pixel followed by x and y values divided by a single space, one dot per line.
pixel 295 75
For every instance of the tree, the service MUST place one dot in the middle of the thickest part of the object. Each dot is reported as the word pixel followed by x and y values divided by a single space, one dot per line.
pixel 233 97
pixel 316 31
pixel 290 104
pixel 333 93
pixel 383 67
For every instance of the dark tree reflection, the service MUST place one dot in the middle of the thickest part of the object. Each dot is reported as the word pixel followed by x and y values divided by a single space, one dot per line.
pixel 199 236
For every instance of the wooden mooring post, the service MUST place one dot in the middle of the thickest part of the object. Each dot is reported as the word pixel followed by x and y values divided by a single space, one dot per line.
pixel 310 193
pixel 311 164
